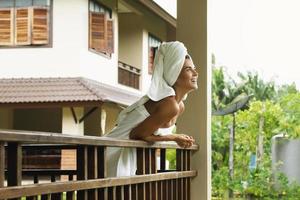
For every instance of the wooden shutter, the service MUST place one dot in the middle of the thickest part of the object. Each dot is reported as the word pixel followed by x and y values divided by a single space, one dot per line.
pixel 22 26
pixel 97 31
pixel 150 60
pixel 6 26
pixel 40 26
pixel 110 36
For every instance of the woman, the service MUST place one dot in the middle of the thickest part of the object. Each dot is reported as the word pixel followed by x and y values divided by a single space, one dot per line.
pixel 154 116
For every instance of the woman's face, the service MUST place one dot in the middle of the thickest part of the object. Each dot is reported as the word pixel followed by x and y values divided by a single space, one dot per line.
pixel 188 76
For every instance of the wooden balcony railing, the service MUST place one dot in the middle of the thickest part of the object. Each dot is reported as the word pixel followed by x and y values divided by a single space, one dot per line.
pixel 129 75
pixel 91 182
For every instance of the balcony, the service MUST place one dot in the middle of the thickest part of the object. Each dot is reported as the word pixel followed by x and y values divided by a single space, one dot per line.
pixel 129 75
pixel 90 181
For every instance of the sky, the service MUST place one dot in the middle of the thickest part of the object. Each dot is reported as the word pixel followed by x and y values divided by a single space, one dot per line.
pixel 254 35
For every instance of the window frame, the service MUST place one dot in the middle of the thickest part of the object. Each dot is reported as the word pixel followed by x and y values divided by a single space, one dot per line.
pixel 110 11
pixel 50 32
pixel 150 35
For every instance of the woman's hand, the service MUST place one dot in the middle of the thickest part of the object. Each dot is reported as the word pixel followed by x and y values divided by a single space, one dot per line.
pixel 184 141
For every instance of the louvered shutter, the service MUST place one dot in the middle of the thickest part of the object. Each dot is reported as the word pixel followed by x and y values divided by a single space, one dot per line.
pixel 110 36
pixel 40 26
pixel 22 26
pixel 97 31
pixel 150 60
pixel 6 26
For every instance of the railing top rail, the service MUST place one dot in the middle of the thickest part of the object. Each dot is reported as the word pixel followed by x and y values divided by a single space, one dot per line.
pixel 58 138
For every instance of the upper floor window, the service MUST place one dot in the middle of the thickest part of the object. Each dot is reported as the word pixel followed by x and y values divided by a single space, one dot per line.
pixel 101 33
pixel 153 43
pixel 24 22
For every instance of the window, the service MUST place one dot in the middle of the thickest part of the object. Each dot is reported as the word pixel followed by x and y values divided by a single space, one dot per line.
pixel 101 33
pixel 24 22
pixel 153 43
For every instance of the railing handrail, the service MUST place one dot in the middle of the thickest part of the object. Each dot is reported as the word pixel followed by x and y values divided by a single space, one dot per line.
pixel 44 188
pixel 7 135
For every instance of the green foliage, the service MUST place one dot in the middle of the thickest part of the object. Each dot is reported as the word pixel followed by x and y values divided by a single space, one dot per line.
pixel 280 109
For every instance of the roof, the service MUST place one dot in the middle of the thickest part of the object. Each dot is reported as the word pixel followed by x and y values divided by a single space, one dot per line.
pixel 61 90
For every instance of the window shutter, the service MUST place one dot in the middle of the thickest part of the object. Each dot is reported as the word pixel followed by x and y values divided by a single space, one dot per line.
pixel 22 26
pixel 150 60
pixel 110 36
pixel 6 26
pixel 97 31
pixel 40 26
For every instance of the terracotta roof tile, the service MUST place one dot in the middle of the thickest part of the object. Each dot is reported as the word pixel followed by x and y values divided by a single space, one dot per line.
pixel 78 89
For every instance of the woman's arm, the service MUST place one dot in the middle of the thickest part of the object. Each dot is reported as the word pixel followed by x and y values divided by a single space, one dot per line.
pixel 166 110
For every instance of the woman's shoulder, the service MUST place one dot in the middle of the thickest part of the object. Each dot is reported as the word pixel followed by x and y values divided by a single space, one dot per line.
pixel 169 104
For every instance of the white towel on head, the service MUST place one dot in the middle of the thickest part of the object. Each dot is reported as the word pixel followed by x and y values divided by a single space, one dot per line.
pixel 168 62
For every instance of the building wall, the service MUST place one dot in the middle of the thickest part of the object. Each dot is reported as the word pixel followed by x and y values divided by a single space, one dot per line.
pixel 46 120
pixel 6 118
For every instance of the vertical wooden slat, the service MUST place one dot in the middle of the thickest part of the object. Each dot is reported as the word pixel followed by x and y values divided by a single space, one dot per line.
pixel 22 26
pixel 97 31
pixel 179 167
pixel 164 190
pixel 188 179
pixel 40 25
pixel 159 190
pixel 70 195
pixel 153 171
pixel 147 171
pixel 119 193
pixel 102 192
pixel 92 170
pixel 140 171
pixel 45 197
pixel 2 164
pixel 14 164
pixel 162 159
pixel 127 192
pixel 111 193
pixel 170 190
pixel 82 169
pixel 134 192
pixel 35 181
pixel 55 196
pixel 175 194
pixel 6 26
pixel 110 36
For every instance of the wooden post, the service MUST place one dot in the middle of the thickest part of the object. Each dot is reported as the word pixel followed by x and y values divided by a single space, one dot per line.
pixel 14 164
pixel 2 164
pixel 141 171
pixel 153 170
pixel 92 170
pixel 82 169
pixel 179 167
pixel 102 192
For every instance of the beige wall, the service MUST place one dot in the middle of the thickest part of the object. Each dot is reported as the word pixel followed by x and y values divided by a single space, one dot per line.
pixel 48 120
pixel 6 118
pixel 130 39
pixel 68 124
pixel 192 29
pixel 112 111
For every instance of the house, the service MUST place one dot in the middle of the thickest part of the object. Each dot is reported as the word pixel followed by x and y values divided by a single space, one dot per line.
pixel 70 67
pixel 37 44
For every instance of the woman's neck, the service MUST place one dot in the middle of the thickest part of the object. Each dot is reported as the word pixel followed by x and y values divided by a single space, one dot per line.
pixel 179 94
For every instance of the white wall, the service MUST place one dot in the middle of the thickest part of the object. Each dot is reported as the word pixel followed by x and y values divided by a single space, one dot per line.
pixel 69 56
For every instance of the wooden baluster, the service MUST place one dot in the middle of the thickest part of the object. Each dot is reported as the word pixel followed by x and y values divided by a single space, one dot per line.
pixel 189 179
pixel 170 190
pixel 55 196
pixel 45 197
pixel 2 164
pixel 140 171
pixel 175 194
pixel 153 171
pixel 179 167
pixel 102 170
pixel 162 160
pixel 119 193
pixel 111 193
pixel 70 195
pixel 133 192
pixel 92 170
pixel 82 169
pixel 14 164
pixel 184 180
pixel 127 192
pixel 147 171
pixel 35 181
pixel 159 190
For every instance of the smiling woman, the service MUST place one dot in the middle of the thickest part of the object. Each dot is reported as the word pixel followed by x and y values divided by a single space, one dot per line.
pixel 153 117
